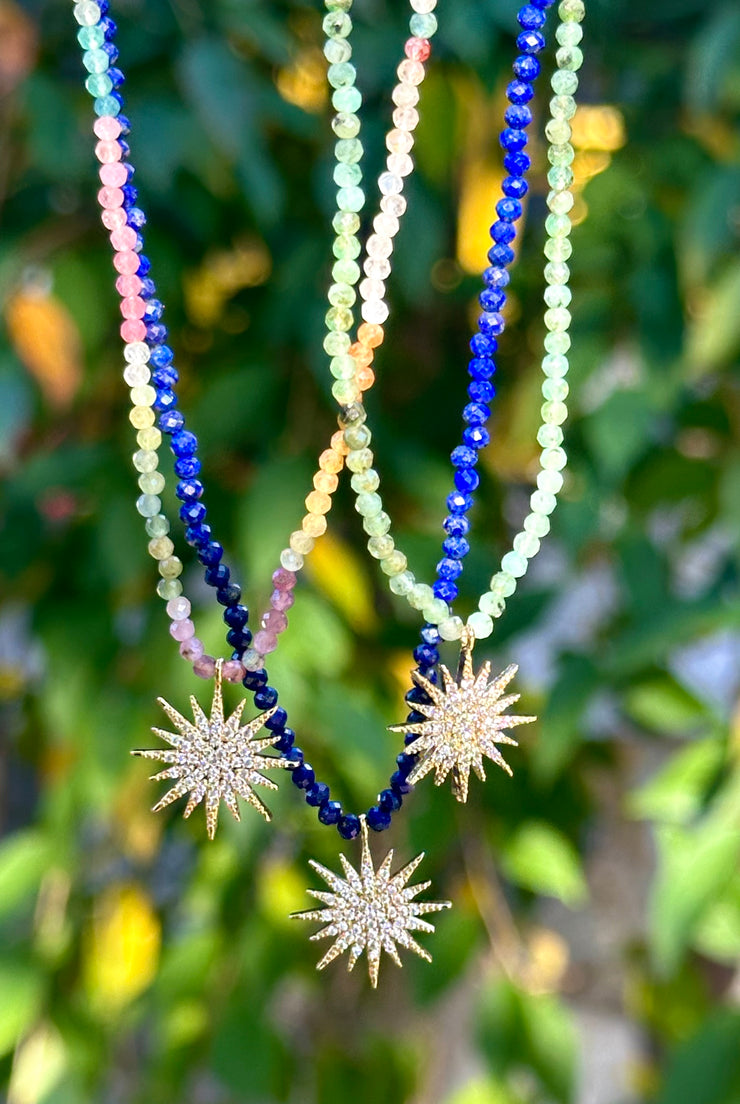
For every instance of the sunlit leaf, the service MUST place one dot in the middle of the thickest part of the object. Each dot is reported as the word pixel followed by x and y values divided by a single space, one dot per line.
pixel 539 858
pixel 121 951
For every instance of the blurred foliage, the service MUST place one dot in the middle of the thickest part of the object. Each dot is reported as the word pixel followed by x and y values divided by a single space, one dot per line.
pixel 593 949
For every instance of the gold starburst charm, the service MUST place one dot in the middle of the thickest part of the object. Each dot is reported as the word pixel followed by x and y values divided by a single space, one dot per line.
pixel 370 911
pixel 214 758
pixel 464 722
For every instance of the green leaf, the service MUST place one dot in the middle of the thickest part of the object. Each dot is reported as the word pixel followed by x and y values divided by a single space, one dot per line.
pixel 539 858
pixel 665 706
pixel 24 857
pixel 714 335
pixel 706 1070
pixel 562 715
pixel 717 934
pixel 21 988
pixel 676 793
pixel 693 866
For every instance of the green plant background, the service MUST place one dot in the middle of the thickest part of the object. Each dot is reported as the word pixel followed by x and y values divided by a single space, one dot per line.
pixel 592 953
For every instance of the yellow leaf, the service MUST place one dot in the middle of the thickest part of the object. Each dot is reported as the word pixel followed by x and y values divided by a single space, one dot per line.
pixel 338 572
pixel 303 83
pixel 46 339
pixel 39 1063
pixel 121 948
pixel 480 183
pixel 281 891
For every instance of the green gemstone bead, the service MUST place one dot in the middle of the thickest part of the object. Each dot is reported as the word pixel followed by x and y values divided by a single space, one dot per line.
pixel 503 585
pixel 337 5
pixel 335 344
pixel 538 524
pixel 364 482
pixel 344 75
pixel 562 107
pixel 492 604
pixel 569 58
pixel 346 247
pixel 339 318
pixel 342 295
pixel 557 272
pixel 343 367
pixel 171 568
pixel 557 320
pixel 561 154
pixel 96 61
pixel 564 82
pixel 357 437
pixel 558 131
pixel 554 365
pixel 514 563
pixel 350 199
pixel 337 24
pixel 348 100
pixel 526 544
pixel 378 525
pixel 549 436
pixel 569 34
pixel 550 480
pixel 480 624
pixel 360 461
pixel 90 38
pixel 571 11
pixel 558 249
pixel 346 223
pixel 348 150
pixel 99 84
pixel 560 177
pixel 160 548
pixel 344 391
pixel 557 295
pixel 423 25
pixel 543 502
pixel 560 203
pixel 152 483
pixel 337 50
pixel 347 176
pixel 167 589
pixel 555 390
pixel 369 505
pixel 346 272
pixel 435 611
pixel 157 526
pixel 557 342
pixel 402 584
pixel 394 564
pixel 380 547
pixel 420 596
pixel 345 125
pixel 553 459
pixel 148 505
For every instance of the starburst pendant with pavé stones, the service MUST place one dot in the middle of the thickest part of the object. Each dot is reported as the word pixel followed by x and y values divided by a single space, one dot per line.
pixel 464 721
pixel 371 910
pixel 214 758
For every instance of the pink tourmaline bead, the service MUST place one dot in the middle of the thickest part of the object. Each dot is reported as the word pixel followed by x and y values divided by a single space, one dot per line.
pixel 107 127
pixel 282 599
pixel 133 329
pixel 284 579
pixel 178 608
pixel 125 238
pixel 233 670
pixel 110 197
pixel 113 219
pixel 128 285
pixel 108 152
pixel 133 307
pixel 274 621
pixel 204 666
pixel 113 176
pixel 182 630
pixel 265 642
pixel 418 49
pixel 192 649
pixel 126 262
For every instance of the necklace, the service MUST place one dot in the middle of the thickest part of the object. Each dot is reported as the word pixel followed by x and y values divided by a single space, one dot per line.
pixel 453 725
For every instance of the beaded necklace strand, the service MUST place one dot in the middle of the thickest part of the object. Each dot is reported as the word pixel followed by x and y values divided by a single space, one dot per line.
pixel 152 379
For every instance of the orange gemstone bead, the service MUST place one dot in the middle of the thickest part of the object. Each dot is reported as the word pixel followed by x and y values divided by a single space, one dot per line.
pixel 330 460
pixel 314 525
pixel 371 334
pixel 326 482
pixel 365 379
pixel 318 502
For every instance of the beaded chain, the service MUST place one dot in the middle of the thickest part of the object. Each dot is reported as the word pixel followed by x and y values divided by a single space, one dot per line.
pixel 153 390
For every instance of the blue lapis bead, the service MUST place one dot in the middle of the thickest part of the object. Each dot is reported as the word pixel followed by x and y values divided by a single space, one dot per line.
pixel 135 217
pixel 466 479
pixel 104 6
pixel 198 536
pixel 481 368
pixel 229 595
pixel 481 391
pixel 446 590
pixel 519 92
pixel 458 503
pixel 111 51
pixel 161 356
pixel 108 27
pixel 400 784
pixel 192 513
pixel 130 195
pixel 266 697
pixel 496 277
pixel 276 723
pixel 240 639
pixel 416 696
pixel 317 794
pixel 303 777
pixel 463 457
pixel 513 139
pixel 330 812
pixel 148 289
pixel 172 422
pixel 456 547
pixel 390 801
pixel 406 762
pixel 492 299
pixel 456 526
pixel 430 634
pixel 378 819
pixel 156 332
pixel 184 443
pixel 491 322
pixel 124 122
pixel 145 265
pixel 509 209
pixel 449 569
pixel 118 99
pixel 218 575
pixel 526 67
pixel 254 680
pixel 531 18
pixel 502 231
pixel 187 467
pixel 123 145
pixel 165 377
pixel 409 738
pixel 518 116
pixel 544 4
pixel 154 310
pixel 211 555
pixel 189 490
pixel 295 755
pixel 501 254
pixel 482 346
pixel 530 42
pixel 285 740
pixel 477 436
pixel 515 187
pixel 166 400
pixel 235 617
pixel 426 655
pixel 349 826
pixel 476 414
pixel 117 77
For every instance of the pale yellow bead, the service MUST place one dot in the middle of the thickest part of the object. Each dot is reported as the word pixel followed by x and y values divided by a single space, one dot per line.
pixel 143 396
pixel 314 525
pixel 161 548
pixel 301 542
pixel 145 460
pixel 420 596
pixel 394 564
pixel 435 611
pixel 152 483
pixel 141 417
pixel 451 628
pixel 150 438
pixel 170 568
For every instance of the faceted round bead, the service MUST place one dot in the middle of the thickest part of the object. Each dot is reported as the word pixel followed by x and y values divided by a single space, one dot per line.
pixel 301 542
pixel 564 82
pixel 169 588
pixel 569 58
pixel 491 604
pixel 451 628
pixel 481 625
pixel 537 524
pixel 393 564
pixel 527 544
pixel 349 826
pixel 402 584
pixel 87 13
pixel 514 563
pixel 290 560
pixel 543 502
